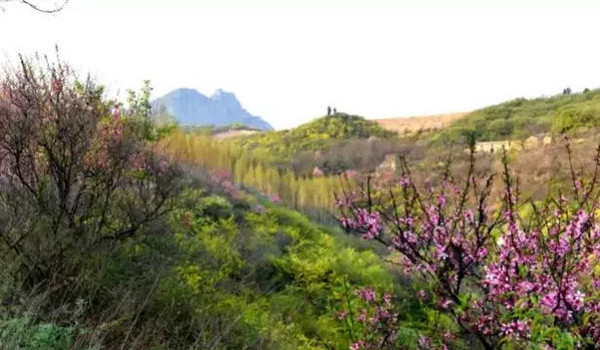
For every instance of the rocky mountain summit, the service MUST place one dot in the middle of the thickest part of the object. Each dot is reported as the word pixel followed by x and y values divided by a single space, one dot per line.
pixel 192 108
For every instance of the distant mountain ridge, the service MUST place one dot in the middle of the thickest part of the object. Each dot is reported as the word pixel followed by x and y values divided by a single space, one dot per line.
pixel 190 107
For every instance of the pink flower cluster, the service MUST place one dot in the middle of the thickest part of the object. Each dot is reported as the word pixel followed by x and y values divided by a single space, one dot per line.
pixel 544 270
pixel 377 318
pixel 516 267
pixel 368 223
pixel 350 173
pixel 223 179
pixel 275 199
pixel 367 294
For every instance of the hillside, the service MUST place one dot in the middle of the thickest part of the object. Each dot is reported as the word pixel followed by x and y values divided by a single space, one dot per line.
pixel 338 143
pixel 150 246
pixel 191 108
pixel 521 118
pixel 128 233
pixel 403 125
pixel 314 136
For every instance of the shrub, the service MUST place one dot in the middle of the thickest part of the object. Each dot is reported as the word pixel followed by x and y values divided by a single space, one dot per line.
pixel 76 177
pixel 23 334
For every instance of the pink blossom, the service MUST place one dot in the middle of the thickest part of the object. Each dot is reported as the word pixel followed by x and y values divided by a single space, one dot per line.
pixel 445 303
pixel 425 343
pixel 350 173
pixel 317 172
pixel 275 199
pixel 517 267
pixel 358 345
pixel 367 294
pixel 404 181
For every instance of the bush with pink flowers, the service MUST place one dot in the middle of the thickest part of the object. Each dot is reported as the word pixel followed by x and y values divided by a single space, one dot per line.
pixel 77 173
pixel 511 273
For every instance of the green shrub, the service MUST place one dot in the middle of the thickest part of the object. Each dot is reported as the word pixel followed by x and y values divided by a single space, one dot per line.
pixel 23 334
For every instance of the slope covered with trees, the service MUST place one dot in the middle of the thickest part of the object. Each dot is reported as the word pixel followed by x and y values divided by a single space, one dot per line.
pixel 521 118
pixel 316 135
pixel 109 242
pixel 122 231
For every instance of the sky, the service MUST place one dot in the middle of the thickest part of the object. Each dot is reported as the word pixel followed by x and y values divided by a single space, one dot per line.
pixel 286 61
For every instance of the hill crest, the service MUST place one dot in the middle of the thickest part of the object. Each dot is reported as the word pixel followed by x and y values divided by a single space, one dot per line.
pixel 415 123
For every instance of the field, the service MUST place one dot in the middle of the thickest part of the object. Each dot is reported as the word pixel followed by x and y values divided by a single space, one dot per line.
pixel 412 124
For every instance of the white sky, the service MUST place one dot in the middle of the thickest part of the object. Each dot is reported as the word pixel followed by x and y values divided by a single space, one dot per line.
pixel 287 60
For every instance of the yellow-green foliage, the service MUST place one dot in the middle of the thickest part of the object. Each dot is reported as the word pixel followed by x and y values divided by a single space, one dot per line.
pixel 314 195
pixel 268 276
pixel 316 135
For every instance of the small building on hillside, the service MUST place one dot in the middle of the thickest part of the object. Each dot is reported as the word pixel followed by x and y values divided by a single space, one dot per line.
pixel 531 142
pixel 389 164
pixel 385 172
pixel 547 140
pixel 539 140
pixel 493 146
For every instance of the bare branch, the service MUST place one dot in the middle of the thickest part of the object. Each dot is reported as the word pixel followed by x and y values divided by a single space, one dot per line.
pixel 57 7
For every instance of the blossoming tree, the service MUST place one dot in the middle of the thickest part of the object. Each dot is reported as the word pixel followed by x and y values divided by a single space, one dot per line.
pixel 511 273
pixel 77 173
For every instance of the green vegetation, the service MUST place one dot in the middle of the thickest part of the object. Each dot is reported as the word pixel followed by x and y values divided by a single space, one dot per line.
pixel 311 195
pixel 267 272
pixel 24 334
pixel 110 242
pixel 207 129
pixel 349 143
pixel 521 118
pixel 122 231
pixel 317 135
pixel 218 271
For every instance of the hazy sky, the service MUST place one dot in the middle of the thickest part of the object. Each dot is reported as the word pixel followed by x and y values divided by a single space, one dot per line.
pixel 287 60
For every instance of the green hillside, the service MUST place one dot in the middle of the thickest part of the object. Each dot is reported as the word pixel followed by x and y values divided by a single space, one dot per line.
pixel 136 249
pixel 521 118
pixel 316 135
pixel 122 233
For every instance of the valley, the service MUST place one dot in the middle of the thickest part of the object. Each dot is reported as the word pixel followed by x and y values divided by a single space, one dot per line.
pixel 186 222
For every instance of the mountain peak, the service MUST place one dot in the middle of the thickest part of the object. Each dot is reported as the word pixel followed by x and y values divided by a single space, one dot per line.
pixel 184 91
pixel 190 107
pixel 226 97
pixel 220 93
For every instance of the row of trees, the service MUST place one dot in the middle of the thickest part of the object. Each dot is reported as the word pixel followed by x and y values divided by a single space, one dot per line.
pixel 311 195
